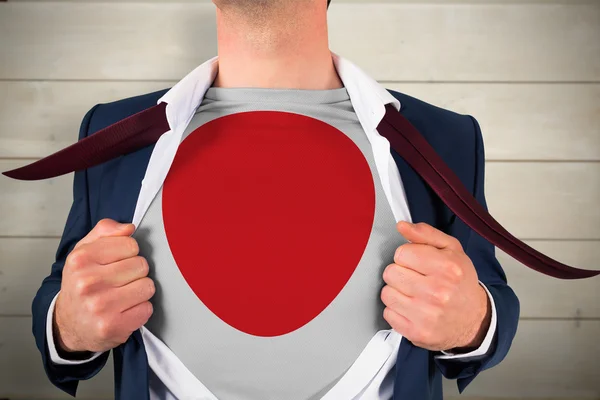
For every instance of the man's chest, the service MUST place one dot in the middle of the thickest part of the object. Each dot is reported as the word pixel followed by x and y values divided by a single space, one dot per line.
pixel 268 260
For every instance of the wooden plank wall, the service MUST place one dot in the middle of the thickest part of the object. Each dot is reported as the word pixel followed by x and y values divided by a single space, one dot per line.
pixel 529 71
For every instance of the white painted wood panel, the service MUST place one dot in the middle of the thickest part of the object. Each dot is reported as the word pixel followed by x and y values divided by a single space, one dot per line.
pixel 26 262
pixel 532 200
pixel 548 358
pixel 22 374
pixel 554 359
pixel 544 297
pixel 524 121
pixel 519 121
pixel 529 71
pixel 407 42
pixel 33 208
pixel 545 200
pixel 39 118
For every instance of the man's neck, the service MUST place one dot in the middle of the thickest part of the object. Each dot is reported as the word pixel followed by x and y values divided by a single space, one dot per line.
pixel 275 51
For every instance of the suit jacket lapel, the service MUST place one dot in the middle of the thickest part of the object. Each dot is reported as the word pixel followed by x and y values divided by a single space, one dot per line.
pixel 420 198
pixel 424 204
pixel 413 363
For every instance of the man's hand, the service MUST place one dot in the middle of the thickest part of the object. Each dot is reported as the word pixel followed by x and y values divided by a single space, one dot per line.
pixel 433 296
pixel 104 292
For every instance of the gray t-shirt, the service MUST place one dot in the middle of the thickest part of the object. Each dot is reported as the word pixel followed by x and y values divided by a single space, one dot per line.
pixel 267 243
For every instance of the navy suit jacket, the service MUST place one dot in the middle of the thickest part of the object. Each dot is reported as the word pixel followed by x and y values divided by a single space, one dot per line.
pixel 110 190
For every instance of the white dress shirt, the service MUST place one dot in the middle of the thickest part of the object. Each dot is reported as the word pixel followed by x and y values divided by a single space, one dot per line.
pixel 169 378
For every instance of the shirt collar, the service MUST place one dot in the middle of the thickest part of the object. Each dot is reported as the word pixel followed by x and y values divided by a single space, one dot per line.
pixel 367 96
pixel 368 100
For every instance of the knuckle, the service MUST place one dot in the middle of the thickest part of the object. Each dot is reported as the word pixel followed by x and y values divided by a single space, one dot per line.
pixel 388 315
pixel 83 285
pixel 142 314
pixel 454 270
pixel 96 306
pixel 457 272
pixel 441 295
pixel 421 226
pixel 455 242
pixel 132 245
pixel 449 263
pixel 103 329
pixel 143 288
pixel 387 295
pixel 388 273
pixel 143 265
pixel 104 224
pixel 77 258
pixel 436 315
pixel 150 287
pixel 150 308
pixel 399 253
pixel 392 320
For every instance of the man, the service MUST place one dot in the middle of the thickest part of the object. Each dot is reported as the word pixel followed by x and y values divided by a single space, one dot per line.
pixel 263 247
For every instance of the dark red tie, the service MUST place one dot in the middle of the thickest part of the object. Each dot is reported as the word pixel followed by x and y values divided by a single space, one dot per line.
pixel 144 128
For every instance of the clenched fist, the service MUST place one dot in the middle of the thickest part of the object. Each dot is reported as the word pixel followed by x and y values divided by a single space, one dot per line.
pixel 105 290
pixel 433 296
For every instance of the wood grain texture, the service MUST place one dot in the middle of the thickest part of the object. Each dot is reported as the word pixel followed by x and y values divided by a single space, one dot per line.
pixel 542 352
pixel 529 71
pixel 545 200
pixel 22 374
pixel 524 121
pixel 40 118
pixel 518 121
pixel 35 208
pixel 554 359
pixel 544 297
pixel 401 42
pixel 26 262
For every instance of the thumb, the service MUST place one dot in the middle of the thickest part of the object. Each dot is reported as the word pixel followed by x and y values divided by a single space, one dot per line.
pixel 423 233
pixel 408 231
pixel 104 228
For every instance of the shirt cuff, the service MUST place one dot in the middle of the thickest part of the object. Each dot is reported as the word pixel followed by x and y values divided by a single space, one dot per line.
pixel 56 359
pixel 487 341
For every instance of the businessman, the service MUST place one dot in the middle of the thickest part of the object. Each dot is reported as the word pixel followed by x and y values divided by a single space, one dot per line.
pixel 271 244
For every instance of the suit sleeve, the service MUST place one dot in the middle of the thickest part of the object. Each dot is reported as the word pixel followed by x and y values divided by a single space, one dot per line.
pixel 491 274
pixel 66 377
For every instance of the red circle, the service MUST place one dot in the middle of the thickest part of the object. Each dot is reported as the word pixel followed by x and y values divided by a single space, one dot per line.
pixel 267 215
